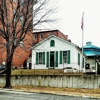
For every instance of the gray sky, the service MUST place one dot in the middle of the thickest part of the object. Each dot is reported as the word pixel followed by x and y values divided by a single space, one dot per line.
pixel 71 14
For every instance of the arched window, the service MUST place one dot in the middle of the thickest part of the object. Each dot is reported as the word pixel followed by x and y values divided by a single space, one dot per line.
pixel 52 43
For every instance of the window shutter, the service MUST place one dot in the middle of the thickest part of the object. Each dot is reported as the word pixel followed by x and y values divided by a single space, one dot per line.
pixel 60 57
pixel 47 59
pixel 56 58
pixel 36 58
pixel 68 57
pixel 83 63
pixel 78 59
pixel 43 58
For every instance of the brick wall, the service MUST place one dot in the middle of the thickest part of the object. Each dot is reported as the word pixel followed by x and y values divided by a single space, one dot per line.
pixel 45 34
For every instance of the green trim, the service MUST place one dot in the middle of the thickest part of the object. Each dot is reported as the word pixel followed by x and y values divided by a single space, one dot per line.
pixel 68 57
pixel 83 63
pixel 78 59
pixel 47 60
pixel 56 59
pixel 37 58
pixel 60 57
pixel 43 58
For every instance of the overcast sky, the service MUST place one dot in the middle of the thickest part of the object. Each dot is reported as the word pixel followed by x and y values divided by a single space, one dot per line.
pixel 71 14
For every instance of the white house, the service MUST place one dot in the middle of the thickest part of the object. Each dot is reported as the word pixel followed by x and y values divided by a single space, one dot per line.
pixel 54 52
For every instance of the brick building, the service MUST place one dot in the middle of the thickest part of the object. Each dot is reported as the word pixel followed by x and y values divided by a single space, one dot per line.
pixel 39 36
pixel 21 52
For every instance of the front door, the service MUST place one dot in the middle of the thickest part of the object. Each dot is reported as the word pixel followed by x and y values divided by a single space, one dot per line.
pixel 52 59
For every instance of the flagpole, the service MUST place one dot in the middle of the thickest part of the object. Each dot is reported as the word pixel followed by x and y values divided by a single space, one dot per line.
pixel 82 38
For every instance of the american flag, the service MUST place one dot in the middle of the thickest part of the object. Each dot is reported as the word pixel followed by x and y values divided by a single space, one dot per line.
pixel 82 21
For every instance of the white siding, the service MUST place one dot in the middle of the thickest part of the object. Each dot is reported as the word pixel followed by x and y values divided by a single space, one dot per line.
pixel 59 46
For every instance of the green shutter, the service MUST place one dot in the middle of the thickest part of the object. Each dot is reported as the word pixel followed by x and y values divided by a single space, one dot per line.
pixel 83 63
pixel 47 59
pixel 56 58
pixel 60 57
pixel 37 58
pixel 43 58
pixel 68 57
pixel 78 59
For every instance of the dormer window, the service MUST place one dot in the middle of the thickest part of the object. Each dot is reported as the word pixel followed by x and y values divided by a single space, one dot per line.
pixel 52 43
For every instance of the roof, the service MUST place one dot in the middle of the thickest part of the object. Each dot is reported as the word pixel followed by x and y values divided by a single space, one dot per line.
pixel 91 50
pixel 59 39
pixel 89 45
pixel 45 31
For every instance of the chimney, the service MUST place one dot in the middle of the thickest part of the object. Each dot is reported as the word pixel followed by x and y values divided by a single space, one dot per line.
pixel 69 40
pixel 66 37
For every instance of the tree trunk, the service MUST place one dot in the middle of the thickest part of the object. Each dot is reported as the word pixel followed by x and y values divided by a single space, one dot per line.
pixel 8 75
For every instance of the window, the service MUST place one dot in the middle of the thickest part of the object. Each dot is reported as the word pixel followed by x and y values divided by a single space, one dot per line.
pixel 50 33
pixel 40 57
pixel 87 66
pixel 21 43
pixel 14 0
pixel 35 1
pixel 34 36
pixel 52 43
pixel 21 2
pixel 64 56
pixel 41 35
pixel 21 20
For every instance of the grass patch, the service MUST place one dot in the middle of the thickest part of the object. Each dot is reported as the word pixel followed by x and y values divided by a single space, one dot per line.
pixel 95 91
pixel 42 72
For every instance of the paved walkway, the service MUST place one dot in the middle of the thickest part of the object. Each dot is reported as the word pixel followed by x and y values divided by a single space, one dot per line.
pixel 58 91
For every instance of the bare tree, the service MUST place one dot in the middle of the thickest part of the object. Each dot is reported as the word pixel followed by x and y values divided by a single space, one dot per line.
pixel 45 15
pixel 17 25
pixel 16 29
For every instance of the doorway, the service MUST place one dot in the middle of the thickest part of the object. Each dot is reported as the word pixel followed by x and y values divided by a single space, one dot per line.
pixel 52 59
